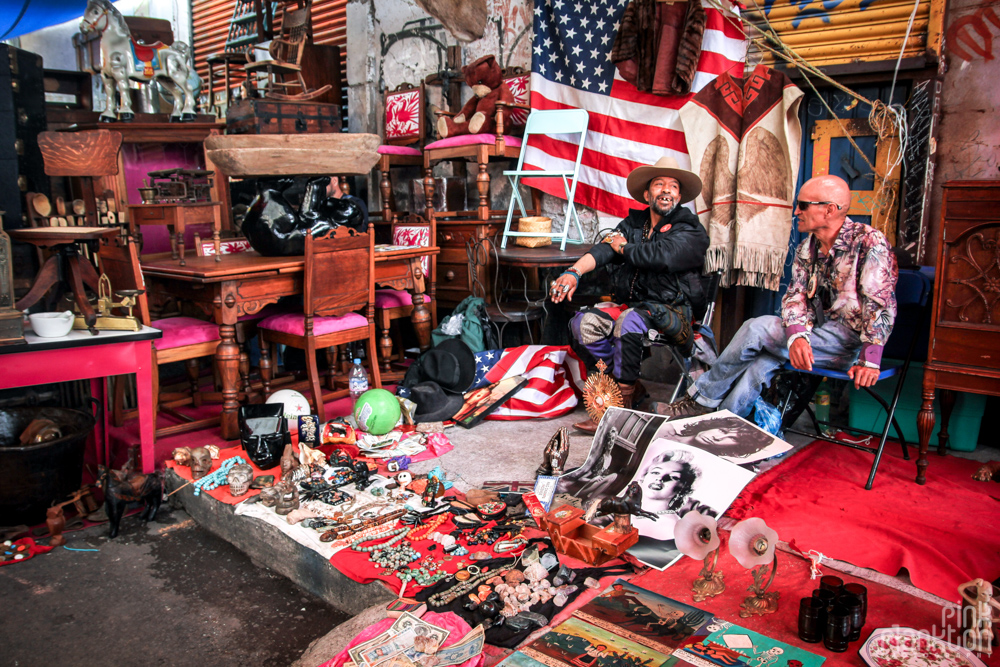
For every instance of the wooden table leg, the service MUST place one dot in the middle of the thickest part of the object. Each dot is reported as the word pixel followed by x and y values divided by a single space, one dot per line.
pixel 47 276
pixel 947 405
pixel 227 356
pixel 144 369
pixel 80 294
pixel 925 425
pixel 217 231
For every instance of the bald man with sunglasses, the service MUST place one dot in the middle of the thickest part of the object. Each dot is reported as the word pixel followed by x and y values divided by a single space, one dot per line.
pixel 838 311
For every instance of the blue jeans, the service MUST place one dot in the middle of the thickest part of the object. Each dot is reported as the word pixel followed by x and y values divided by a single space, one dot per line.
pixel 757 351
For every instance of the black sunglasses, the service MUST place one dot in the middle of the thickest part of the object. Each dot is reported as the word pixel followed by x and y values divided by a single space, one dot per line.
pixel 803 205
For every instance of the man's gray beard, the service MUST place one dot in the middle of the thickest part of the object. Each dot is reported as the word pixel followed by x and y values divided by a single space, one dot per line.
pixel 663 212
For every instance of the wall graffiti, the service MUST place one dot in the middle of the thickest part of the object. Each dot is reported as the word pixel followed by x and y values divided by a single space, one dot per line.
pixel 821 9
pixel 971 36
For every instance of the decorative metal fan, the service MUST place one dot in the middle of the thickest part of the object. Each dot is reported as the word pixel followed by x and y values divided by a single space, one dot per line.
pixel 600 392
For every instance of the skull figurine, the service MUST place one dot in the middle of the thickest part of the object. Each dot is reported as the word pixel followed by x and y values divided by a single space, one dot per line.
pixel 403 479
pixel 201 462
pixel 288 498
pixel 182 456
pixel 239 479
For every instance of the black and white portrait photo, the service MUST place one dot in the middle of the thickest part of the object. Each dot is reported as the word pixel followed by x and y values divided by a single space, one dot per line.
pixel 675 479
pixel 724 434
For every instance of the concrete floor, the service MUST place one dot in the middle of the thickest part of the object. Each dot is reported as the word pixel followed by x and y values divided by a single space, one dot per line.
pixel 168 593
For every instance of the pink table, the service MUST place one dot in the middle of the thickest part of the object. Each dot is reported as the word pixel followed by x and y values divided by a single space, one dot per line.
pixel 82 356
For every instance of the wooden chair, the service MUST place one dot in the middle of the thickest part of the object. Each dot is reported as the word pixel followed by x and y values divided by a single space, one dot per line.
pixel 90 156
pixel 184 339
pixel 339 281
pixel 284 67
pixel 404 133
pixel 393 304
pixel 503 144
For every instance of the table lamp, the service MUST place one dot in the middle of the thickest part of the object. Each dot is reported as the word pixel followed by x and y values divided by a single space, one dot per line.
pixel 753 544
pixel 696 536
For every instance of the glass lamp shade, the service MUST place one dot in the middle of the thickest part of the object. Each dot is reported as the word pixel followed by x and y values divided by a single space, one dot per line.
pixel 696 535
pixel 752 543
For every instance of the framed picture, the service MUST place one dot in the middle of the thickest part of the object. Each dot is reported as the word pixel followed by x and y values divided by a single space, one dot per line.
pixel 481 402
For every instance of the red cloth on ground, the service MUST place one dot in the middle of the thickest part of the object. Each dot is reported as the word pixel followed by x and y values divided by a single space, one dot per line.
pixel 944 533
pixel 32 550
pixel 221 492
pixel 449 621
pixel 886 606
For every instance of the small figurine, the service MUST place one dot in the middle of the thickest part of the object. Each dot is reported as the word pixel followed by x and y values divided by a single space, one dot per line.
pixel 239 479
pixel 124 486
pixel 361 472
pixel 431 491
pixel 977 615
pixel 201 462
pixel 56 521
pixel 182 456
pixel 287 462
pixel 288 498
pixel 403 480
pixel 621 508
pixel 555 454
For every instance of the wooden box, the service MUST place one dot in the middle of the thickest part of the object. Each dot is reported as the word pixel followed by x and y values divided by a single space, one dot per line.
pixel 573 536
pixel 276 117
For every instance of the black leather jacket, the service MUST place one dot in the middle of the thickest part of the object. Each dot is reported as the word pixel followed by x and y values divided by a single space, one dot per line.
pixel 653 270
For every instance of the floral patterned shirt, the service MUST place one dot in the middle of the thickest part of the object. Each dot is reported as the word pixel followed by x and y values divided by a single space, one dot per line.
pixel 856 284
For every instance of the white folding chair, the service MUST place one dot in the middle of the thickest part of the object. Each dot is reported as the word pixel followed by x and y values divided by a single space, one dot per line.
pixel 557 122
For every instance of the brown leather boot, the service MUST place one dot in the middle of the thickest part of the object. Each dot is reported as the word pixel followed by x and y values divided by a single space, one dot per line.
pixel 628 391
pixel 588 426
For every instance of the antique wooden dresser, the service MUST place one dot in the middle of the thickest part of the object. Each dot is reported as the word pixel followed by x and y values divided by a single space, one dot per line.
pixel 964 350
pixel 456 274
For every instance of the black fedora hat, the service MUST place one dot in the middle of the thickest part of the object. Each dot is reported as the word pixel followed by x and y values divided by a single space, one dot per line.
pixel 433 403
pixel 452 365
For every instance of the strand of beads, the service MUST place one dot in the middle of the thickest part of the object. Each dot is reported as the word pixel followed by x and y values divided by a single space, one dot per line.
pixel 426 573
pixel 393 558
pixel 216 479
pixel 396 536
pixel 450 595
pixel 428 527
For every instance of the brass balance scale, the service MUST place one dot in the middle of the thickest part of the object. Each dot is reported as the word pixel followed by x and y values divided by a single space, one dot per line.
pixel 106 321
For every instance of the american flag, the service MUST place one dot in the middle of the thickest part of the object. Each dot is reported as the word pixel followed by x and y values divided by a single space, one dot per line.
pixel 571 68
pixel 555 379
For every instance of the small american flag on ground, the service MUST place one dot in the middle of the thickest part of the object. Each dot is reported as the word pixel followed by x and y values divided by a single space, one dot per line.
pixel 555 379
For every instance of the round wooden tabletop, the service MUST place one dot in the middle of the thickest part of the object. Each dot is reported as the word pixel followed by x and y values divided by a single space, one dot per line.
pixel 545 256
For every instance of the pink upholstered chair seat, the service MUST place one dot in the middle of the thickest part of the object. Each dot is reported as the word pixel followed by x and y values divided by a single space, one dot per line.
pixel 295 323
pixel 392 298
pixel 473 140
pixel 181 331
pixel 389 149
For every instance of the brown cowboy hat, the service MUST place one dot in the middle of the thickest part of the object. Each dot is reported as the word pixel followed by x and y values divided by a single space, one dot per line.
pixel 640 177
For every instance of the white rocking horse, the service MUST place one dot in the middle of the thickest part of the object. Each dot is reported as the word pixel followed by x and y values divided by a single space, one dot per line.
pixel 124 60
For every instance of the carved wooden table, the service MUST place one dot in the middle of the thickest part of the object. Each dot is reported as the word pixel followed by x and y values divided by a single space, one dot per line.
pixel 242 284
pixel 964 349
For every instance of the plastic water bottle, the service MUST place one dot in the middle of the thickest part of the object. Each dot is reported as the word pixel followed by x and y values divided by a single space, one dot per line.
pixel 822 401
pixel 357 381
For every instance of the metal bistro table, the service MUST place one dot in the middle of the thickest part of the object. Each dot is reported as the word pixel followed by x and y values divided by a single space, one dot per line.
pixel 80 355
pixel 242 284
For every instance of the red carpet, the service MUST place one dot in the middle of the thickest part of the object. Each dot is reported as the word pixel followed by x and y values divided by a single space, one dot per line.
pixel 943 533
pixel 886 606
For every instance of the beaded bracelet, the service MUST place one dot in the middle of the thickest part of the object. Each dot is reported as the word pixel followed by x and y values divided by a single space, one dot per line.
pixel 571 273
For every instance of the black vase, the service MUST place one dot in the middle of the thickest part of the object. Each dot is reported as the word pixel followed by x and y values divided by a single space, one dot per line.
pixel 273 227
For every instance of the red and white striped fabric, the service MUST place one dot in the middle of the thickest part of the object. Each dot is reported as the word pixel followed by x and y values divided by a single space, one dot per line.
pixel 555 381
pixel 571 68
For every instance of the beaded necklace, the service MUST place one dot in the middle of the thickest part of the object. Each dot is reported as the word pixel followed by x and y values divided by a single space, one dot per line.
pixel 450 595
pixel 215 479
pixel 428 527
pixel 396 536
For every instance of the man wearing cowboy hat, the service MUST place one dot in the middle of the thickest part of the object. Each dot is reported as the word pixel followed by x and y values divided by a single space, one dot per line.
pixel 653 255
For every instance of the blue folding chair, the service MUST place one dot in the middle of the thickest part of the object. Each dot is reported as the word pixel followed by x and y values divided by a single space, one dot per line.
pixel 548 123
pixel 913 289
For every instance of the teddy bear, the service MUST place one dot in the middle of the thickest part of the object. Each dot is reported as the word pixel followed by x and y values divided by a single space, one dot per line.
pixel 478 115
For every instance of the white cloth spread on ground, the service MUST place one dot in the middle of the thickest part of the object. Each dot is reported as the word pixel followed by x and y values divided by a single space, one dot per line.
pixel 744 137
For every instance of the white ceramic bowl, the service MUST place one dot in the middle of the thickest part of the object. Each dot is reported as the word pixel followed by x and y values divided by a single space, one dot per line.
pixel 51 325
